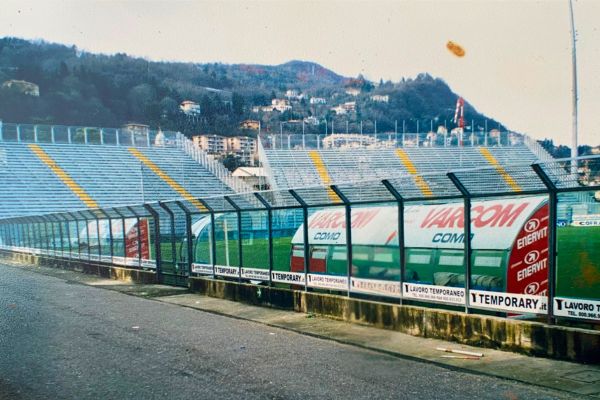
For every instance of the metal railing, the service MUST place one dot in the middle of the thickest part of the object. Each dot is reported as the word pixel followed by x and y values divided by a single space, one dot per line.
pixel 212 165
pixel 62 134
pixel 288 141
pixel 475 241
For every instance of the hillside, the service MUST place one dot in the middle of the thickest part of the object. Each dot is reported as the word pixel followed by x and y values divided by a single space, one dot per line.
pixel 81 88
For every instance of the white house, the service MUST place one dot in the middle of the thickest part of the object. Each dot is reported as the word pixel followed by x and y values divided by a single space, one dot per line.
pixel 281 105
pixel 190 107
pixel 380 98
pixel 317 100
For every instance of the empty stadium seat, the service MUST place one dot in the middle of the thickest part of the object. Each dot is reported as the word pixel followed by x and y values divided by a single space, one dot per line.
pixel 110 175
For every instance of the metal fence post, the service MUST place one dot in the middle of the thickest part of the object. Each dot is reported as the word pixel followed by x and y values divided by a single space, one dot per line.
pixel 304 235
pixel 188 234
pixel 110 234
pixel 76 232
pixel 157 249
pixel 171 231
pixel 24 228
pixel 98 236
pixel 87 235
pixel 270 231
pixel 47 235
pixel 59 222
pixel 65 220
pixel 348 218
pixel 238 213
pixel 31 234
pixel 467 234
pixel 401 249
pixel 213 239
pixel 123 231
pixel 552 222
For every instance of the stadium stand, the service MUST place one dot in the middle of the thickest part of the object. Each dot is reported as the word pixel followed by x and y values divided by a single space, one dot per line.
pixel 298 168
pixel 40 178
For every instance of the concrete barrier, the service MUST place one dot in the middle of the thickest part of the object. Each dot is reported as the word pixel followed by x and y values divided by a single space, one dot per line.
pixel 532 338
pixel 105 270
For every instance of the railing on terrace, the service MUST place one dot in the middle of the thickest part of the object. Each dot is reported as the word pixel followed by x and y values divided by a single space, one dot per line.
pixel 288 141
pixel 474 242
pixel 82 135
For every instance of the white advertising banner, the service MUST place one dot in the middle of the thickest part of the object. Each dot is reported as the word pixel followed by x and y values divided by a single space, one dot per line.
pixel 435 293
pixel 288 277
pixel 495 224
pixel 224 270
pixel 255 274
pixel 586 220
pixel 376 287
pixel 204 269
pixel 577 308
pixel 328 281
pixel 512 302
pixel 149 263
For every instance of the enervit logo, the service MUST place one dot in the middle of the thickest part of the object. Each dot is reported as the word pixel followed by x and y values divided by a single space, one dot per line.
pixel 532 225
pixel 532 256
pixel 532 288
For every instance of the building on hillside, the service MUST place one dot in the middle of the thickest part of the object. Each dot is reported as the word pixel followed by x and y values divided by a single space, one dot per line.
pixel 339 110
pixel 312 120
pixel 350 106
pixel 242 146
pixel 253 176
pixel 291 94
pixel 352 91
pixel 342 109
pixel 190 107
pixel 380 98
pixel 251 124
pixel 281 105
pixel 317 100
pixel 24 87
pixel 212 144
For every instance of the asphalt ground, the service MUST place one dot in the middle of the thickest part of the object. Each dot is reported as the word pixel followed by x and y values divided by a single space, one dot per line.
pixel 63 340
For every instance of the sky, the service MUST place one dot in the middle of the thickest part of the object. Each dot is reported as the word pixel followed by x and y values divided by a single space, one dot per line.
pixel 517 68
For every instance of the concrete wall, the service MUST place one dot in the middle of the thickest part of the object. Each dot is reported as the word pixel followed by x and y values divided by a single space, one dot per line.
pixel 527 337
pixel 89 267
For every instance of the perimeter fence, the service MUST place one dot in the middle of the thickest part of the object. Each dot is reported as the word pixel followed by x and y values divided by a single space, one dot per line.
pixel 517 240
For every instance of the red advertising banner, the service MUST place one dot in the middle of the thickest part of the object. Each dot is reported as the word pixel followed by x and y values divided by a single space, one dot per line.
pixel 131 240
pixel 528 262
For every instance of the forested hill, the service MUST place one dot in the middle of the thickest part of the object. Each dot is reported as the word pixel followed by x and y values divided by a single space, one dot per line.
pixel 81 88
